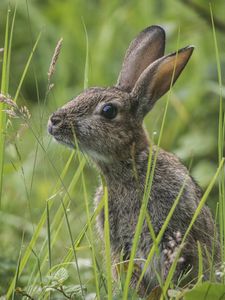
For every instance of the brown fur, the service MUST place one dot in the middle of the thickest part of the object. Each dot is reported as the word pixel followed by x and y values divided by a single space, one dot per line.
pixel 120 145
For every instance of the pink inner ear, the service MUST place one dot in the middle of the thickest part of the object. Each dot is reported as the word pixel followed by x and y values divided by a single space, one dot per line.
pixel 163 78
pixel 155 80
pixel 168 71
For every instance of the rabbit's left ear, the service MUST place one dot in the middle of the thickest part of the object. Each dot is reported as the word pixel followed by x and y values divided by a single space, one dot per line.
pixel 157 79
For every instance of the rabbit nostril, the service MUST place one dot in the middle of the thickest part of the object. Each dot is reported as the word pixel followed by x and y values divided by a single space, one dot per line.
pixel 56 120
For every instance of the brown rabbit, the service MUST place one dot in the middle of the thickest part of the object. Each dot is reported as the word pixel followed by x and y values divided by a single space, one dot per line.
pixel 108 125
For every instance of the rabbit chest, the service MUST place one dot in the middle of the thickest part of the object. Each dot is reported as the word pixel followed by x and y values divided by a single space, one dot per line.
pixel 124 201
pixel 124 208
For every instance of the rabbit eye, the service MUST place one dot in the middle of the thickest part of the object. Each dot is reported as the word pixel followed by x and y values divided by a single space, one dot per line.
pixel 109 111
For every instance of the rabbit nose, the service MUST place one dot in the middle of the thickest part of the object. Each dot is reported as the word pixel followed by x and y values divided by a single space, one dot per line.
pixel 56 119
pixel 54 123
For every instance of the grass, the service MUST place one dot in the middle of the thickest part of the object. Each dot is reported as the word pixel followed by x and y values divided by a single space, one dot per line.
pixel 4 90
pixel 51 257
pixel 107 244
pixel 221 136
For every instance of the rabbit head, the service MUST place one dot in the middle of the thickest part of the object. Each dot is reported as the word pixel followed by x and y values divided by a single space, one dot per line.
pixel 107 122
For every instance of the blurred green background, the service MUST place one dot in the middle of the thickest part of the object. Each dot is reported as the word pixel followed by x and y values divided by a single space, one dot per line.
pixel 191 129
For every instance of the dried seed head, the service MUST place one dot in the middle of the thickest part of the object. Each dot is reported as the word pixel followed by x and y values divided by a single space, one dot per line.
pixel 220 273
pixel 165 251
pixel 15 111
pixel 181 260
pixel 177 236
pixel 55 56
pixel 25 112
pixel 172 244
pixel 51 86
pixel 11 113
pixel 172 248
pixel 8 101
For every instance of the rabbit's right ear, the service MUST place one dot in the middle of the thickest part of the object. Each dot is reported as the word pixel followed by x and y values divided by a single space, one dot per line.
pixel 147 47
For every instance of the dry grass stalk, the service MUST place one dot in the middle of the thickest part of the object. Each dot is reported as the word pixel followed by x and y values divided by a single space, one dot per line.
pixel 220 273
pixel 55 56
pixel 15 111
pixel 8 101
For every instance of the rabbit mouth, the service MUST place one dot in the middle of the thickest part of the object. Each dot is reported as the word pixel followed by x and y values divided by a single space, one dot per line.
pixel 64 141
pixel 59 137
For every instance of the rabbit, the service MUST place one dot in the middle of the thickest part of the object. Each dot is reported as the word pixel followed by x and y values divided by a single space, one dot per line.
pixel 107 124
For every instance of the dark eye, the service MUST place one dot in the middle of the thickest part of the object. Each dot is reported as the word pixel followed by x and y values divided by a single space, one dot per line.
pixel 109 111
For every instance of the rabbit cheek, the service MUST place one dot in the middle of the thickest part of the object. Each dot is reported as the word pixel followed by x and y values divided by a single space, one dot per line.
pixel 88 138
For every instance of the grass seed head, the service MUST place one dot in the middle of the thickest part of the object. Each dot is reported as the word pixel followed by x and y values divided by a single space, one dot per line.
pixel 15 111
pixel 172 248
pixel 55 56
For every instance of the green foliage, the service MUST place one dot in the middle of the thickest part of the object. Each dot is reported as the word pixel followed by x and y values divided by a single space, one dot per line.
pixel 206 291
pixel 46 248
pixel 55 284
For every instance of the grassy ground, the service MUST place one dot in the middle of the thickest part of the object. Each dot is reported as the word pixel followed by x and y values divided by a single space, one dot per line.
pixel 46 191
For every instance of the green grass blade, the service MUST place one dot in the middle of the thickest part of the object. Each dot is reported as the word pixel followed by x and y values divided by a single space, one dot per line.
pixel 4 90
pixel 73 247
pixel 17 269
pixel 49 236
pixel 97 211
pixel 204 197
pixel 57 221
pixel 4 82
pixel 10 43
pixel 200 262
pixel 221 137
pixel 42 221
pixel 27 66
pixel 39 268
pixel 86 67
pixel 107 243
pixel 213 266
pixel 147 192
pixel 161 233
pixel 69 256
pixel 197 212
pixel 142 214
pixel 90 230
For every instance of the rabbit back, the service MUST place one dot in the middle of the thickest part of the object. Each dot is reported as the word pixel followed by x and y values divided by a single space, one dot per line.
pixel 124 209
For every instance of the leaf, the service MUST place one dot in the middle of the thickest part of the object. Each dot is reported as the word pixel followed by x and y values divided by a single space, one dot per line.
pixel 203 171
pixel 195 143
pixel 73 290
pixel 61 275
pixel 206 291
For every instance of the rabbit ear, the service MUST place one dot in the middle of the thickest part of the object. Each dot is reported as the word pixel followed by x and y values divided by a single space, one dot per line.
pixel 157 78
pixel 147 47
